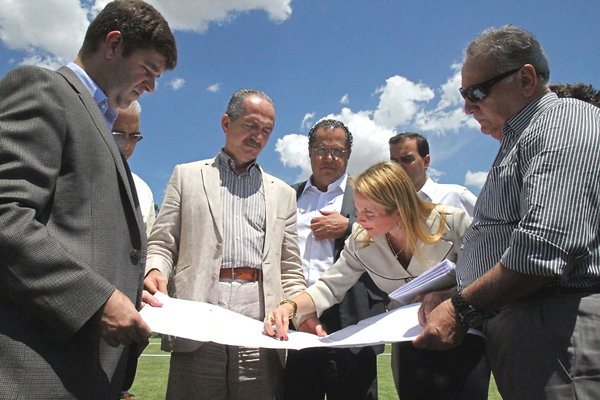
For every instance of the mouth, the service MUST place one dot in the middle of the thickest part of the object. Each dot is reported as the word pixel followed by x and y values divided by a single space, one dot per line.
pixel 252 143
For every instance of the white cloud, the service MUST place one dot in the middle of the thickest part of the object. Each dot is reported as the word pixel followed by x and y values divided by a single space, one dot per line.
pixel 49 29
pixel 293 151
pixel 194 15
pixel 450 96
pixel 434 174
pixel 54 29
pixel 176 83
pixel 345 99
pixel 475 179
pixel 399 101
pixel 214 88
pixel 402 105
pixel 307 121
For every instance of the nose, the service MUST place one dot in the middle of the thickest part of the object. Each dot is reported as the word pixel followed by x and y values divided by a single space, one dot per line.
pixel 470 107
pixel 150 84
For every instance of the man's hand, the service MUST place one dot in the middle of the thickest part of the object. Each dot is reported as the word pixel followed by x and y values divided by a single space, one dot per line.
pixel 156 281
pixel 430 301
pixel 312 325
pixel 119 322
pixel 331 225
pixel 147 298
pixel 443 329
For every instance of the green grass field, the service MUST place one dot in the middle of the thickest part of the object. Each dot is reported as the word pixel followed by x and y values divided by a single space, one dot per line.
pixel 153 368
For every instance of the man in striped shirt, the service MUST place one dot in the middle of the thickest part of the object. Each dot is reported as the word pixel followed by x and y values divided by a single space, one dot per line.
pixel 529 272
pixel 226 234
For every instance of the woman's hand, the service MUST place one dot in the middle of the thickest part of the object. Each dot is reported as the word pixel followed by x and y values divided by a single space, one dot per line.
pixel 277 321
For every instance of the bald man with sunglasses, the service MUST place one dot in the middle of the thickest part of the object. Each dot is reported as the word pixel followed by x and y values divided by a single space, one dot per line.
pixel 529 271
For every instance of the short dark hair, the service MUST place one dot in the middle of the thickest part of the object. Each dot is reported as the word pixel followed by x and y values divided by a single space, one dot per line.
pixel 236 109
pixel 422 144
pixel 141 26
pixel 512 47
pixel 329 124
pixel 579 91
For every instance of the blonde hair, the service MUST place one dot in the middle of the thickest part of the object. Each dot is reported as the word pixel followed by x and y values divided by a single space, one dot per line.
pixel 387 185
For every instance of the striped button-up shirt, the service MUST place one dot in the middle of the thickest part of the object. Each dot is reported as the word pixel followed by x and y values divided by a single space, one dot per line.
pixel 539 210
pixel 244 215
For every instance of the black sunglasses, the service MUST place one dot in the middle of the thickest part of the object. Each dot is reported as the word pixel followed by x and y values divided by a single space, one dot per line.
pixel 481 90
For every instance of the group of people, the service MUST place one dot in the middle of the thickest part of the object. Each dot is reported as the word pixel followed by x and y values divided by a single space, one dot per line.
pixel 79 245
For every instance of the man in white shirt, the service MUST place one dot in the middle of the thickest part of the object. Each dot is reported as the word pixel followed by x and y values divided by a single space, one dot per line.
pixel 326 214
pixel 126 131
pixel 411 151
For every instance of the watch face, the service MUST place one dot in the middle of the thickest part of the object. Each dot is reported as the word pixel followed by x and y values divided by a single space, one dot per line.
pixel 473 319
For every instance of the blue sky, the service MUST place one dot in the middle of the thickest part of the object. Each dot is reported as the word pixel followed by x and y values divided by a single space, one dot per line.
pixel 381 66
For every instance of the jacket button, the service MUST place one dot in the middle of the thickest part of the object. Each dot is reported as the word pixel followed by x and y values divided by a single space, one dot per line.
pixel 214 277
pixel 135 254
pixel 218 246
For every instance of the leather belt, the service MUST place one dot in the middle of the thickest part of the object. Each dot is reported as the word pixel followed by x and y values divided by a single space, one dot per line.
pixel 246 274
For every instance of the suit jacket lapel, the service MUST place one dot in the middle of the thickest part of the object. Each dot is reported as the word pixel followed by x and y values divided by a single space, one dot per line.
pixel 270 209
pixel 212 187
pixel 102 127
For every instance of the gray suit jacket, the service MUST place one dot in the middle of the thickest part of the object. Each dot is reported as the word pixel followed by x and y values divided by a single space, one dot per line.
pixel 187 239
pixel 70 233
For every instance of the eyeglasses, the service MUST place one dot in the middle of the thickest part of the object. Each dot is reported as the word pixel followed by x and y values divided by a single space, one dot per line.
pixel 481 90
pixel 131 137
pixel 335 153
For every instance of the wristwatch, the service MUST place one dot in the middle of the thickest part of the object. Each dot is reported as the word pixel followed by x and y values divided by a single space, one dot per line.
pixel 469 316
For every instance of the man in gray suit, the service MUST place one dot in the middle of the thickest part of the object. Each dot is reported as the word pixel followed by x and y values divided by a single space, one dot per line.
pixel 72 243
pixel 226 235
pixel 326 214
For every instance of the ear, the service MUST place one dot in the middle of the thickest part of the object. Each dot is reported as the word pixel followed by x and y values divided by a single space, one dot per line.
pixel 349 152
pixel 113 43
pixel 426 161
pixel 529 80
pixel 225 123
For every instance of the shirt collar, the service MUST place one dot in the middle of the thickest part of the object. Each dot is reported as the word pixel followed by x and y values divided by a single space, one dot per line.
pixel 100 98
pixel 340 183
pixel 226 161
pixel 521 120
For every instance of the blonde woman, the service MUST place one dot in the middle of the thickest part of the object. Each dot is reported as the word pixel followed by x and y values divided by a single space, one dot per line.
pixel 397 236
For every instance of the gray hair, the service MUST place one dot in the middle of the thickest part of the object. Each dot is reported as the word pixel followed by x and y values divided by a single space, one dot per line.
pixel 235 108
pixel 133 109
pixel 329 124
pixel 512 47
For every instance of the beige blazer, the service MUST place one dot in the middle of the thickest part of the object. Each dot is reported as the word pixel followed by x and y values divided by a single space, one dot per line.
pixel 377 259
pixel 187 238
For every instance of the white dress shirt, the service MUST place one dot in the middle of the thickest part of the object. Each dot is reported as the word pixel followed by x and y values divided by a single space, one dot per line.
pixel 451 195
pixel 146 202
pixel 317 255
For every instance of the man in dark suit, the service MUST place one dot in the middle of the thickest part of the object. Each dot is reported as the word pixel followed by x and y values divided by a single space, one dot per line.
pixel 72 241
pixel 325 216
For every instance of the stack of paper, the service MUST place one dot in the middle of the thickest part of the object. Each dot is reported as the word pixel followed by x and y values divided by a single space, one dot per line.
pixel 438 277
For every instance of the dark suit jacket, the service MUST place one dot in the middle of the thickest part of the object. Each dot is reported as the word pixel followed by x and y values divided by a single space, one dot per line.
pixel 364 299
pixel 70 233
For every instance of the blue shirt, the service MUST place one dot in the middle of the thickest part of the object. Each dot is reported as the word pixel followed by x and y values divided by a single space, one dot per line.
pixel 100 98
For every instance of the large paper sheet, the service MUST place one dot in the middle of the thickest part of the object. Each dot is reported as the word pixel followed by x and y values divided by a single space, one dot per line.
pixel 438 277
pixel 209 323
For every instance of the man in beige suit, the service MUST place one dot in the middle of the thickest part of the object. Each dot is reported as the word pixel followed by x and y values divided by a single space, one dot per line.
pixel 226 234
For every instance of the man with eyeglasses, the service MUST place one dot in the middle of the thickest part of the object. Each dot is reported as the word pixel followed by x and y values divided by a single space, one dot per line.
pixel 411 151
pixel 126 131
pixel 529 271
pixel 326 214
